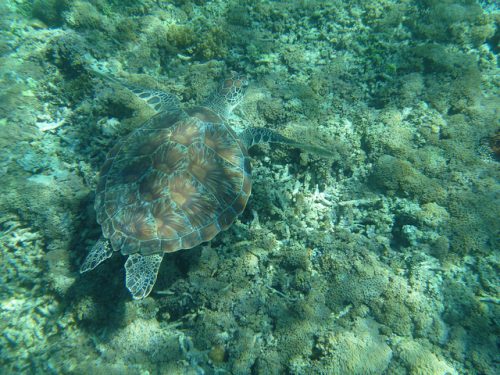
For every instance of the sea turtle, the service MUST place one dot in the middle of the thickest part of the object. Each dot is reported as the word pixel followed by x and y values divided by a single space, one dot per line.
pixel 175 182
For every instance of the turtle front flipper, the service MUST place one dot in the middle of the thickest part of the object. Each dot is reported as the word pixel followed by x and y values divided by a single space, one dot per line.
pixel 140 273
pixel 159 101
pixel 98 254
pixel 254 136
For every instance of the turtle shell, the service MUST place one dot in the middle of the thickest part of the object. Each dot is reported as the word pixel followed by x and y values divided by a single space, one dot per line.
pixel 172 184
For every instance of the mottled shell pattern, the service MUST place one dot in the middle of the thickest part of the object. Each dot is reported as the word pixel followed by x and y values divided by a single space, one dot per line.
pixel 175 182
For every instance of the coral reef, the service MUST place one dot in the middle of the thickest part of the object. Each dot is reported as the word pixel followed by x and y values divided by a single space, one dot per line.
pixel 382 259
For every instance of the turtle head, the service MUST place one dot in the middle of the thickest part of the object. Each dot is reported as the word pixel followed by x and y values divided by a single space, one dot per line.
pixel 229 94
pixel 232 90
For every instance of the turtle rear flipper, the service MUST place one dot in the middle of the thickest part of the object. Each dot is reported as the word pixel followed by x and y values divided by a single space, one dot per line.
pixel 98 254
pixel 254 136
pixel 141 272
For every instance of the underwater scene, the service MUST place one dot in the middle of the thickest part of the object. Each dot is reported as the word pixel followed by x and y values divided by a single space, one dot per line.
pixel 249 187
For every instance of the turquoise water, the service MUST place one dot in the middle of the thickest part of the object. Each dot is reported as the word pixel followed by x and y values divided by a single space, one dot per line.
pixel 379 256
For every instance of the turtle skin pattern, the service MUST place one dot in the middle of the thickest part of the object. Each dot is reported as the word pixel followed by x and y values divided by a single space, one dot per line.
pixel 172 184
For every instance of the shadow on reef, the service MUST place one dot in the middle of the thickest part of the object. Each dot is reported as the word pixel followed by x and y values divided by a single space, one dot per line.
pixel 97 297
pixel 100 299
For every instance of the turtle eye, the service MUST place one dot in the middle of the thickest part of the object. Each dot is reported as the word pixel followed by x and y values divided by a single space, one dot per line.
pixel 239 82
pixel 228 83
pixel 235 82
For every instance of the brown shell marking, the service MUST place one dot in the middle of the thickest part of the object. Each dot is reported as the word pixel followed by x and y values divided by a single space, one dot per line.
pixel 169 158
pixel 219 178
pixel 172 186
pixel 190 197
pixel 186 132
pixel 169 222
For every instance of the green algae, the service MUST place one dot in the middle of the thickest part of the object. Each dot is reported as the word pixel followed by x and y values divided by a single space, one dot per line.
pixel 383 259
